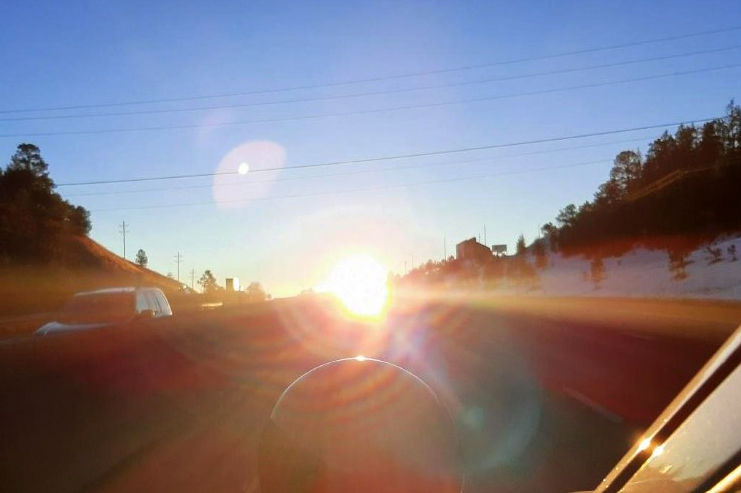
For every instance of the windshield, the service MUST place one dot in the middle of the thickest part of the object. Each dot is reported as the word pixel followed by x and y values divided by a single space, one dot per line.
pixel 98 308
pixel 529 210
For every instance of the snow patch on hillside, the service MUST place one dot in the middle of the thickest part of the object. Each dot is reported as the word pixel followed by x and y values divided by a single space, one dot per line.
pixel 640 273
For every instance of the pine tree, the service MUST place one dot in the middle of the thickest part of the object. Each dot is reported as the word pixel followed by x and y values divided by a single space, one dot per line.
pixel 141 258
pixel 521 248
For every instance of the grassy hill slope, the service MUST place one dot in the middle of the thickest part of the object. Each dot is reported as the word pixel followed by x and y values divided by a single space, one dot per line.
pixel 32 289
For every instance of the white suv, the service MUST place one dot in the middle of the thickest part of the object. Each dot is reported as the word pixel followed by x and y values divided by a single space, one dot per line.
pixel 107 308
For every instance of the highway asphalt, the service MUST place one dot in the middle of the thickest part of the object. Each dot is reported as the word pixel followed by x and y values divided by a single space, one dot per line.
pixel 546 394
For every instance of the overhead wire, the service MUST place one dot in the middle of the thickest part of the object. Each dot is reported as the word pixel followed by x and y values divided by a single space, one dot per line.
pixel 366 189
pixel 583 86
pixel 369 93
pixel 382 78
pixel 370 111
pixel 348 173
pixel 397 156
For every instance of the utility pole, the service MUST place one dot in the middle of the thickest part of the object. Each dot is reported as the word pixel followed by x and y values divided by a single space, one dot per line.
pixel 485 234
pixel 178 258
pixel 123 229
pixel 445 248
pixel 192 278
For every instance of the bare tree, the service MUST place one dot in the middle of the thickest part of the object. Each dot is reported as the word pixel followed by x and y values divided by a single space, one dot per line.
pixel 597 271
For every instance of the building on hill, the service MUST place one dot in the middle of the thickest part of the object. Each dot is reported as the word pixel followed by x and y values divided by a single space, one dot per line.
pixel 499 250
pixel 473 251
pixel 232 284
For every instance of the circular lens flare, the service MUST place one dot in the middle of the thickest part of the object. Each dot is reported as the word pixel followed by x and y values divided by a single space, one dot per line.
pixel 256 166
pixel 361 284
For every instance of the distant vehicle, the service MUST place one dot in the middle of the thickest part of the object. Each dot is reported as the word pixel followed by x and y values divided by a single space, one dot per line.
pixel 108 308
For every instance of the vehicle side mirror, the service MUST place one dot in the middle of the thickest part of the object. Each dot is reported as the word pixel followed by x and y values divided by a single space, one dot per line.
pixel 146 314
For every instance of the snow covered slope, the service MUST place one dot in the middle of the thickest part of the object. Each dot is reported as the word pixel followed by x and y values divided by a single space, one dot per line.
pixel 641 273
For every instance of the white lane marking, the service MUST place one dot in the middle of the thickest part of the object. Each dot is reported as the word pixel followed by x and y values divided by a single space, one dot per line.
pixel 593 405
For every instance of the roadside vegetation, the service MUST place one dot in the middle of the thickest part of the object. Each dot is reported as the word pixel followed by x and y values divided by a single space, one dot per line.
pixel 45 252
pixel 36 223
pixel 686 185
pixel 682 194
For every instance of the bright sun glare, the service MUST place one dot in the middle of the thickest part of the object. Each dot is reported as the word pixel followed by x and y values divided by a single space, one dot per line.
pixel 361 284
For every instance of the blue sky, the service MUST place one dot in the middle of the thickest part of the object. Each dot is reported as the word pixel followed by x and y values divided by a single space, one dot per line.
pixel 287 230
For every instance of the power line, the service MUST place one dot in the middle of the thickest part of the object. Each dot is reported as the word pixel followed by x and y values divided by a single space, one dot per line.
pixel 369 93
pixel 370 111
pixel 178 259
pixel 384 78
pixel 332 175
pixel 403 156
pixel 338 192
pixel 123 229
pixel 171 177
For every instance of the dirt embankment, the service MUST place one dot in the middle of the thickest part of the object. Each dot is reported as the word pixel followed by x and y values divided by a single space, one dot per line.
pixel 31 294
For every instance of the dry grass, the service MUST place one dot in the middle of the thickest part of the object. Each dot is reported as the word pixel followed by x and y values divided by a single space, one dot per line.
pixel 28 292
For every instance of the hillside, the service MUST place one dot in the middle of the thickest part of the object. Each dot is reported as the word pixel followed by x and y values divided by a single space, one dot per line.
pixel 640 272
pixel 28 288
pixel 97 256
pixel 45 252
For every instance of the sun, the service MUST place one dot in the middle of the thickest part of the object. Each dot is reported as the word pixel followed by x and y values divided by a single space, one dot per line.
pixel 361 284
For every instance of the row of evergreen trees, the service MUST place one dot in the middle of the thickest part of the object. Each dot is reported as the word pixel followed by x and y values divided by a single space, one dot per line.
pixel 687 188
pixel 688 184
pixel 36 223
